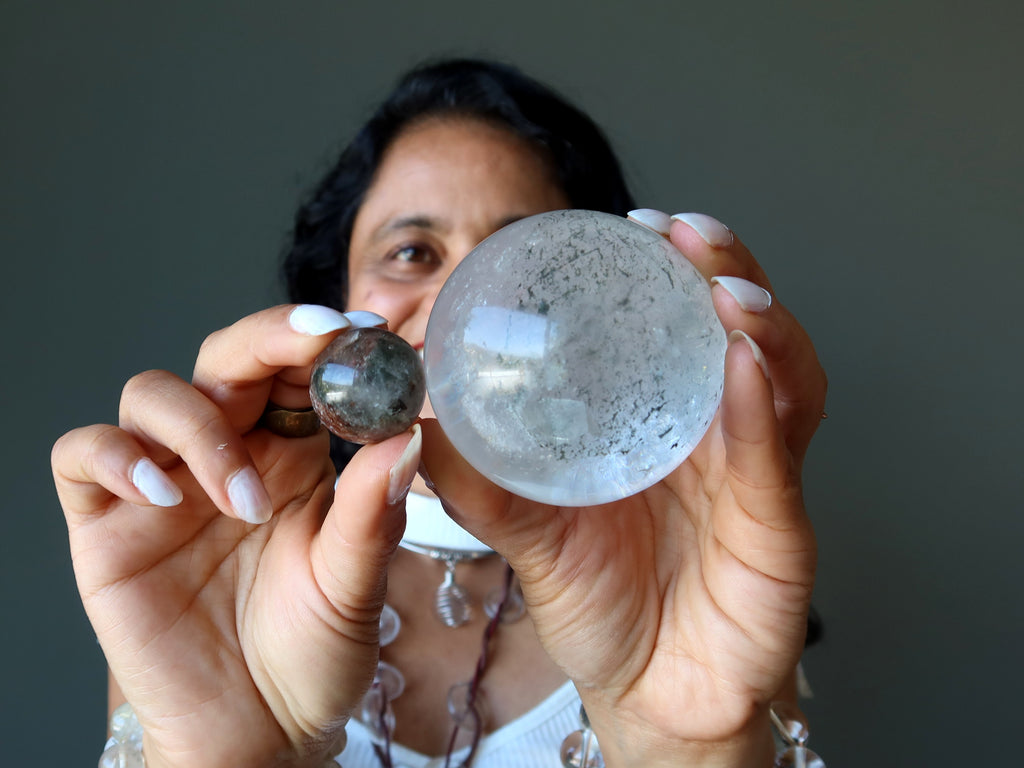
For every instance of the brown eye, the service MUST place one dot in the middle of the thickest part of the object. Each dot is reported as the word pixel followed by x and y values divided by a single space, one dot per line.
pixel 411 254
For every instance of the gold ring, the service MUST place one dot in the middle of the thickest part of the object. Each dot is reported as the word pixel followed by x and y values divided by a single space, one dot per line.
pixel 290 423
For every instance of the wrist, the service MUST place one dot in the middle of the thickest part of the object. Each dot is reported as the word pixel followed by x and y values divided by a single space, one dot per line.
pixel 125 749
pixel 751 746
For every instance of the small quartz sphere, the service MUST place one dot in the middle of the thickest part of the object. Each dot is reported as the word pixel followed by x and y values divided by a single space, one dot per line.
pixel 367 385
pixel 575 357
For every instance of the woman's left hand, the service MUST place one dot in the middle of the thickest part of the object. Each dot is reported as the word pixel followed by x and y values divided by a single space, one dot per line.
pixel 679 612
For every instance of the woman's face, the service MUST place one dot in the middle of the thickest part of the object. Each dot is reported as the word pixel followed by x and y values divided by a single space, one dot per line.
pixel 442 187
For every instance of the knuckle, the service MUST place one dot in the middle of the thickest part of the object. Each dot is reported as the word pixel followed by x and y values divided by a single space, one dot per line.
pixel 61 446
pixel 78 452
pixel 204 427
pixel 81 440
pixel 65 446
pixel 103 437
pixel 211 342
pixel 220 341
pixel 106 440
pixel 141 384
pixel 144 389
pixel 206 432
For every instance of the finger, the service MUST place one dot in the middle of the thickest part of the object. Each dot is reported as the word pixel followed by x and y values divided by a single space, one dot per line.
pixel 798 380
pixel 714 249
pixel 767 528
pixel 265 353
pixel 363 527
pixel 654 220
pixel 740 292
pixel 726 262
pixel 93 464
pixel 707 243
pixel 268 355
pixel 507 523
pixel 166 414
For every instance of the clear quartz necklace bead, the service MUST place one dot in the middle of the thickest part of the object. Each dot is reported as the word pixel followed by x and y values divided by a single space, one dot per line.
pixel 580 748
pixel 377 714
pixel 390 625
pixel 798 757
pixel 451 600
pixel 791 726
pixel 463 706
pixel 390 680
pixel 512 605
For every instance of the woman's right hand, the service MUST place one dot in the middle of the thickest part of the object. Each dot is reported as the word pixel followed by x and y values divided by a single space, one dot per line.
pixel 237 603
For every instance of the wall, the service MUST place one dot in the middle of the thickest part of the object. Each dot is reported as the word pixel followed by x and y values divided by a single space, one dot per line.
pixel 868 153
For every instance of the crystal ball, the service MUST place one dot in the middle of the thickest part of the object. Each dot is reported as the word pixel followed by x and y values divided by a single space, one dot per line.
pixel 574 358
pixel 367 385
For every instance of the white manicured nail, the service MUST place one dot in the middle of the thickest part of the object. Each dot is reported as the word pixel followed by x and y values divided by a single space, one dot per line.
pixel 652 219
pixel 404 472
pixel 155 485
pixel 248 497
pixel 750 296
pixel 315 320
pixel 360 318
pixel 711 230
pixel 739 336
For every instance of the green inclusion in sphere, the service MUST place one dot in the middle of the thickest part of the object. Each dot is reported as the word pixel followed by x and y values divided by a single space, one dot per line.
pixel 575 358
pixel 367 385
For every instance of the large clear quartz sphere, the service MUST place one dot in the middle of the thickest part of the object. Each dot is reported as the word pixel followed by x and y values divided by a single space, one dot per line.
pixel 574 357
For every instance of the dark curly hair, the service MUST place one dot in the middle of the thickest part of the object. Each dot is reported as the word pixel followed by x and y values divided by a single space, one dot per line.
pixel 315 267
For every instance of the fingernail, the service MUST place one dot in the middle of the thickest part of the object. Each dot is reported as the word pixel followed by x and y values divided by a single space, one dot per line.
pixel 711 230
pixel 750 296
pixel 315 320
pixel 404 471
pixel 739 336
pixel 248 497
pixel 155 485
pixel 360 318
pixel 652 219
pixel 803 687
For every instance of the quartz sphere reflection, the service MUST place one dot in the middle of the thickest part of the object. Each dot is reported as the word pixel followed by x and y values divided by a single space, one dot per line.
pixel 367 385
pixel 574 358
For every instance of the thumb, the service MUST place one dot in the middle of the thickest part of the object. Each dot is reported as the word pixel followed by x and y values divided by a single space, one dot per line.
pixel 473 501
pixel 363 528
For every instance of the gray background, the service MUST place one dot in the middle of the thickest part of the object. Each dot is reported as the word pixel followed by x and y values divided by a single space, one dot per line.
pixel 870 155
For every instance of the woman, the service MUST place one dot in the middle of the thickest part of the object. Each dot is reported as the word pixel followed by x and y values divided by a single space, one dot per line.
pixel 242 622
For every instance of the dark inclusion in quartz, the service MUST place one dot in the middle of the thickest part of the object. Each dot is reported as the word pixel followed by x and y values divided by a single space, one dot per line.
pixel 367 385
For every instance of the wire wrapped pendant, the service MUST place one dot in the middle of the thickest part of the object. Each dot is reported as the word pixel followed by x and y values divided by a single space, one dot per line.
pixel 451 601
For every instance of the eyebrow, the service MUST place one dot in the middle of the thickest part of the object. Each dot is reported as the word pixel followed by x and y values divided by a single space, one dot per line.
pixel 415 221
pixel 423 221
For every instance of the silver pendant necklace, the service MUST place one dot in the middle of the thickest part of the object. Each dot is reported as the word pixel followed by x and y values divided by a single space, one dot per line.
pixel 430 531
pixel 451 600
